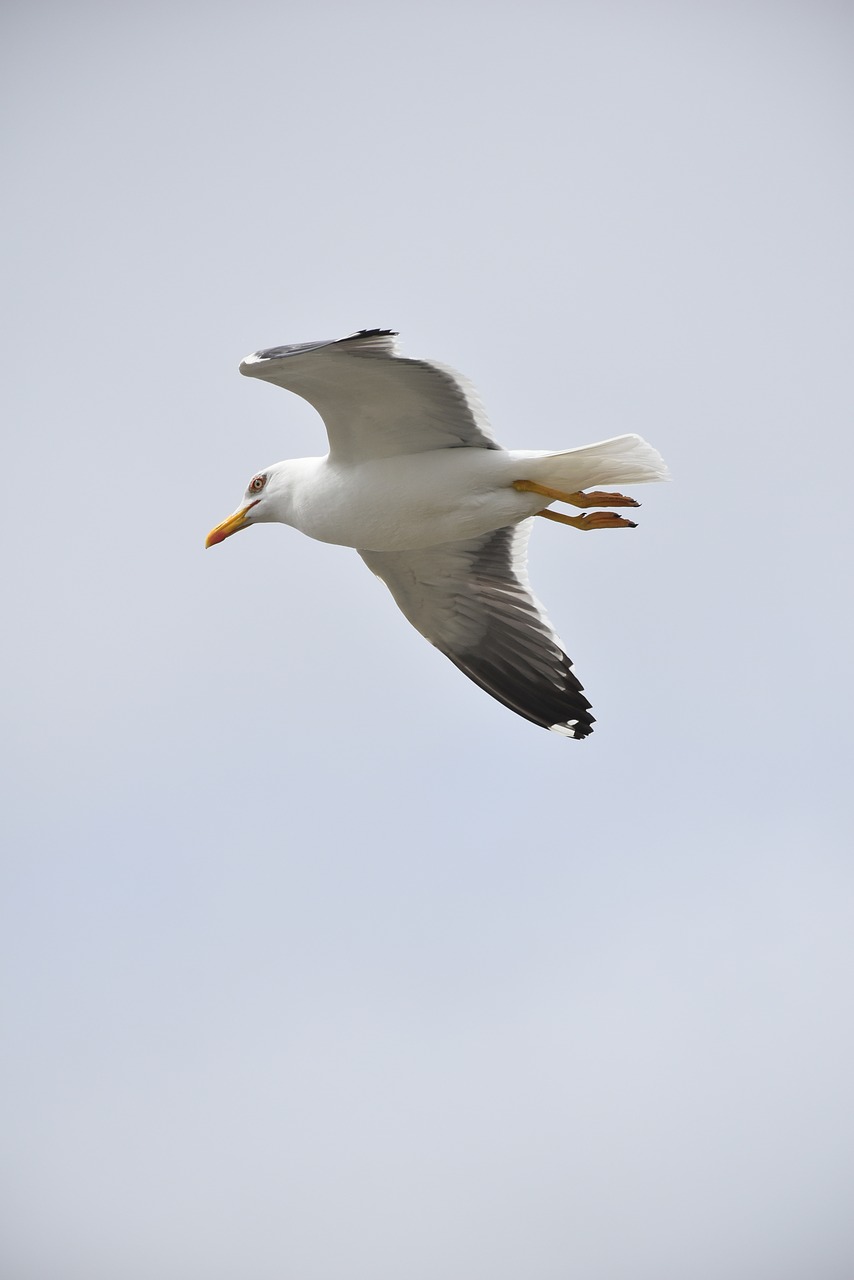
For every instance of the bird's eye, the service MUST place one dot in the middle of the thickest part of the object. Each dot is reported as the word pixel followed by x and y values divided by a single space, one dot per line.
pixel 257 484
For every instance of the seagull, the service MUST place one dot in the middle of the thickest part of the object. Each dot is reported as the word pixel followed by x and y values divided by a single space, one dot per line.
pixel 415 481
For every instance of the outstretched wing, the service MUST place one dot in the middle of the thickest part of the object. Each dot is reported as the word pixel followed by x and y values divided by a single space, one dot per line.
pixel 473 602
pixel 375 403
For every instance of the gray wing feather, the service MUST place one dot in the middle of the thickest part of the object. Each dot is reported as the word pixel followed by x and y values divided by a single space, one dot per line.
pixel 473 602
pixel 374 402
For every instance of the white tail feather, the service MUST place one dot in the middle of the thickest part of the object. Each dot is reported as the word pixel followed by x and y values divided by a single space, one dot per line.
pixel 623 460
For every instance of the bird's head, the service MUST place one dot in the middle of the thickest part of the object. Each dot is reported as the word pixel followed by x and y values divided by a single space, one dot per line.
pixel 258 505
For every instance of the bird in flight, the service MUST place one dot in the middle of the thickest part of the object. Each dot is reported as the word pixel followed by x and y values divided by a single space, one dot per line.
pixel 415 481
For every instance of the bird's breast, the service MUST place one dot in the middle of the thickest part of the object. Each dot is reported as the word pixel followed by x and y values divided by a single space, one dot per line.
pixel 409 502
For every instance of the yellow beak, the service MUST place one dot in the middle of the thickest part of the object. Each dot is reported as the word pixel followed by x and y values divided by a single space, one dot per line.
pixel 229 526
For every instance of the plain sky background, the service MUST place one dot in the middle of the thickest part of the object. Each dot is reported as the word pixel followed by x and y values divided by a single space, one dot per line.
pixel 317 962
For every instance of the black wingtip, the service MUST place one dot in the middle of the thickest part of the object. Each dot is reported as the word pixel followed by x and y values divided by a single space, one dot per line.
pixel 373 333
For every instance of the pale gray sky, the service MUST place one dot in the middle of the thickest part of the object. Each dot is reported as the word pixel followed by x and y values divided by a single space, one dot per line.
pixel 316 961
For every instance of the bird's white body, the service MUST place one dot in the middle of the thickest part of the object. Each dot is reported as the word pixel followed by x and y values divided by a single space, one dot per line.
pixel 401 504
pixel 410 502
pixel 416 482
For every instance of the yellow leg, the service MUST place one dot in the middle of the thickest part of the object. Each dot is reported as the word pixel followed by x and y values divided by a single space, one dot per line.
pixel 592 520
pixel 597 499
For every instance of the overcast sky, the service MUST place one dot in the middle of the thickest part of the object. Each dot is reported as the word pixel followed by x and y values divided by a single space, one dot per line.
pixel 316 961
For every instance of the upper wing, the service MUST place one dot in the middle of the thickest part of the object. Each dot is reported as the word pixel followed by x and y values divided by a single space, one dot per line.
pixel 375 403
pixel 472 601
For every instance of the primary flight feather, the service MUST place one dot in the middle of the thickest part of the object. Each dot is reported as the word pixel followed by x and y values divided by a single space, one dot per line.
pixel 415 481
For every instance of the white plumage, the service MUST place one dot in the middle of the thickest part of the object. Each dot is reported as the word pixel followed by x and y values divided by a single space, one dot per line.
pixel 416 482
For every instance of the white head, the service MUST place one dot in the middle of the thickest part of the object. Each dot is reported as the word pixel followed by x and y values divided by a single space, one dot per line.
pixel 265 499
